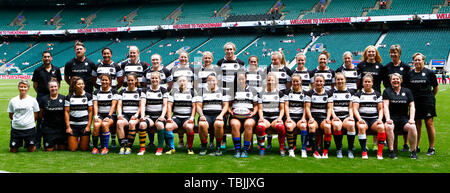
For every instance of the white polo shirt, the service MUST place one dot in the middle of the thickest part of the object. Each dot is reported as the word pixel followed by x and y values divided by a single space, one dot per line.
pixel 23 110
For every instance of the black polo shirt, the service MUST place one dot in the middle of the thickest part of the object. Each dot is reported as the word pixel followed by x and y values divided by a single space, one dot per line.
pixel 81 69
pixel 373 68
pixel 389 69
pixel 398 102
pixel 42 77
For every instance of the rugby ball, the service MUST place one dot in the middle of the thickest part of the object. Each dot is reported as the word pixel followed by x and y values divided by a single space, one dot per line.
pixel 241 112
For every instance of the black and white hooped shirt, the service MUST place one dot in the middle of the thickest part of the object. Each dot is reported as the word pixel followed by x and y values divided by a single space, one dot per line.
pixel 202 73
pixel 154 100
pixel 244 99
pixel 283 74
pixel 182 102
pixel 271 102
pixel 306 78
pixel 296 103
pixel 139 68
pixel 212 101
pixel 319 103
pixel 112 69
pixel 79 108
pixel 328 74
pixel 341 100
pixel 254 79
pixel 183 70
pixel 104 100
pixel 164 74
pixel 130 100
pixel 352 77
pixel 368 103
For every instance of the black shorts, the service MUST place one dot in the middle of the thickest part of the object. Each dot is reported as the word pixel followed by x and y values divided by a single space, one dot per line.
pixel 53 136
pixel 128 117
pixel 318 120
pixel 18 137
pixel 370 122
pixel 425 108
pixel 296 119
pixel 255 118
pixel 78 130
pixel 399 124
pixel 179 121
pixel 154 119
pixel 211 119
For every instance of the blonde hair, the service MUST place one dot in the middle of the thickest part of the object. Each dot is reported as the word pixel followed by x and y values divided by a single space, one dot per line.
pixel 397 75
pixel 377 56
pixel 207 53
pixel 229 44
pixel 272 74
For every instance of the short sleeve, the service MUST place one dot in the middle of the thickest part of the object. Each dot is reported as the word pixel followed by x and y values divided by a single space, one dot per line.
pixel 35 105
pixel 67 101
pixel 355 98
pixel 11 106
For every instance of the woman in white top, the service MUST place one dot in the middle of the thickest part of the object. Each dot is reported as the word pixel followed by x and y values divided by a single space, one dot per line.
pixel 23 111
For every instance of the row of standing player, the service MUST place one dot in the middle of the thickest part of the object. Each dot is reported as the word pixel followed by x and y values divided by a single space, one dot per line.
pixel 231 48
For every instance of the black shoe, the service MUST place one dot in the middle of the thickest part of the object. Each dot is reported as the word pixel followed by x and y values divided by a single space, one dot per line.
pixel 150 146
pixel 417 149
pixel 431 151
pixel 392 154
pixel 413 155
pixel 405 148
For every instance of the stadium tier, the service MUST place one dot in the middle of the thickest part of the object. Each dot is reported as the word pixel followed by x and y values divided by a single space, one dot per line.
pixel 293 8
pixel 342 8
pixel 433 43
pixel 405 7
pixel 336 43
pixel 154 14
pixel 290 44
pixel 198 12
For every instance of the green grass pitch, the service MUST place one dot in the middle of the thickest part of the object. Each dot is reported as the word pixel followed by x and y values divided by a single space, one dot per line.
pixel 84 162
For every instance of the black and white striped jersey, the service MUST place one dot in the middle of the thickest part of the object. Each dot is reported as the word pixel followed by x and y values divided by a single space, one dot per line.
pixel 112 69
pixel 130 100
pixel 154 100
pixel 296 103
pixel 183 70
pixel 352 77
pixel 212 101
pixel 79 108
pixel 254 79
pixel 202 73
pixel 229 71
pixel 104 100
pixel 271 102
pixel 306 78
pixel 341 102
pixel 138 68
pixel 368 103
pixel 244 99
pixel 182 102
pixel 328 74
pixel 164 74
pixel 319 103
pixel 283 74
